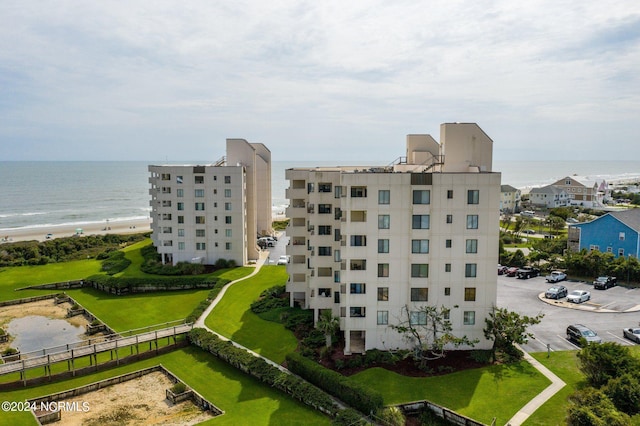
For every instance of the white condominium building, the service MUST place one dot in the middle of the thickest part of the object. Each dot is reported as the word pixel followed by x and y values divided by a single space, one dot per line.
pixel 366 242
pixel 202 213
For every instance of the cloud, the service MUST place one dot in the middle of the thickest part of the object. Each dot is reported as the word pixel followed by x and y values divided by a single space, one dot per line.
pixel 311 78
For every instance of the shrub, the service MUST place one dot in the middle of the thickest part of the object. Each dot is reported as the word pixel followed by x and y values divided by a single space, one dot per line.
pixel 605 361
pixel 115 262
pixel 349 417
pixel 481 356
pixel 178 388
pixel 392 416
pixel 10 351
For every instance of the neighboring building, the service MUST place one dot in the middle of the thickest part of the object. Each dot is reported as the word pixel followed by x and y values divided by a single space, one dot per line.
pixel 202 213
pixel 367 241
pixel 548 196
pixel 583 191
pixel 615 232
pixel 509 199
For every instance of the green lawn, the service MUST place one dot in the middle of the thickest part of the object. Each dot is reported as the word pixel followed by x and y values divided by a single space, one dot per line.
pixel 484 393
pixel 244 399
pixel 232 317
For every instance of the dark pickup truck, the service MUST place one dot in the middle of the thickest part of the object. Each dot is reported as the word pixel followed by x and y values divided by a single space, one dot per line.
pixel 527 272
pixel 604 282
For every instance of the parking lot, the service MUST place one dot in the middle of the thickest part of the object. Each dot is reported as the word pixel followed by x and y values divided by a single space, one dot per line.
pixel 607 313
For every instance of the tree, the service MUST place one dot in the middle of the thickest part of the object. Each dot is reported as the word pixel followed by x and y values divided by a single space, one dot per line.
pixel 624 392
pixel 429 332
pixel 591 407
pixel 328 325
pixel 605 361
pixel 506 329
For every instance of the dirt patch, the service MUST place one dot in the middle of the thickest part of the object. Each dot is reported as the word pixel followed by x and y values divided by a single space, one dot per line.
pixel 139 401
pixel 44 308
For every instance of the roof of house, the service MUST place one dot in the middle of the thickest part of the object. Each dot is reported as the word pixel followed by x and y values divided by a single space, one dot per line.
pixel 507 188
pixel 630 218
pixel 549 189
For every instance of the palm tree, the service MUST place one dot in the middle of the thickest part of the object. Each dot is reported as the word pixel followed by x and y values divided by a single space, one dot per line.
pixel 328 324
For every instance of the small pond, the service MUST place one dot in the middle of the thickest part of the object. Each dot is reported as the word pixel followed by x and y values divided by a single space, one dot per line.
pixel 36 332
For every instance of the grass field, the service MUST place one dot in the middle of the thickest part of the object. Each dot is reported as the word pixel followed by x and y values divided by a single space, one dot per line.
pixel 232 317
pixel 245 400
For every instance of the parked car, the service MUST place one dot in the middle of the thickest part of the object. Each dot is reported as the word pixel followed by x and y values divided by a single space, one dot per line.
pixel 511 272
pixel 556 292
pixel 604 282
pixel 527 272
pixel 528 213
pixel 632 334
pixel 529 231
pixel 578 296
pixel 266 241
pixel 556 277
pixel 283 260
pixel 502 269
pixel 577 332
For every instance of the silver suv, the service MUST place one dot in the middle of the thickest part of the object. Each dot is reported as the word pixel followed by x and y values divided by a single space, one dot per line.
pixel 577 332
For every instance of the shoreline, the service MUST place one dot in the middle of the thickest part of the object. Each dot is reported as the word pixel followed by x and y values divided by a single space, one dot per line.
pixel 46 232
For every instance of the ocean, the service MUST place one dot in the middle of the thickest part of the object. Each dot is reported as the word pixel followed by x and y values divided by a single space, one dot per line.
pixel 43 193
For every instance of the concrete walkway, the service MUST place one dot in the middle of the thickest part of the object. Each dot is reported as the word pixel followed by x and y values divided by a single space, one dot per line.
pixel 542 397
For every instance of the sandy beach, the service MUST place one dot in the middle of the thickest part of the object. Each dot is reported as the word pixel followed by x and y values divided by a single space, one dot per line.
pixel 41 233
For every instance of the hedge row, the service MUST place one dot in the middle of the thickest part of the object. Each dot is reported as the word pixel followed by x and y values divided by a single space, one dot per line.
pixel 267 373
pixel 173 283
pixel 363 399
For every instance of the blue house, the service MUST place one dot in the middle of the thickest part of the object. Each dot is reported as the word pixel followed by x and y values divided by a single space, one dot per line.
pixel 615 232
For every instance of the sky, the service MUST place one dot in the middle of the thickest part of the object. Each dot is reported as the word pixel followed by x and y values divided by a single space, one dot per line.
pixel 316 80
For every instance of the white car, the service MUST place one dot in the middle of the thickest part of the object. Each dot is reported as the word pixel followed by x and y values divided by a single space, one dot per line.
pixel 283 260
pixel 556 277
pixel 578 296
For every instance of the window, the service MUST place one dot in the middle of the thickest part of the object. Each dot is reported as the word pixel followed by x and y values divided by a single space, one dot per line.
pixel 472 246
pixel 199 179
pixel 310 187
pixel 357 288
pixel 621 236
pixel 447 291
pixel 383 270
pixel 419 294
pixel 419 270
pixel 199 232
pixel 357 311
pixel 180 232
pixel 180 206
pixel 383 294
pixel 384 196
pixel 419 246
pixel 201 246
pixel 180 192
pixel 418 318
pixel 181 245
pixel 324 187
pixel 337 191
pixel 422 196
pixel 324 292
pixel 166 190
pixel 473 196
pixel 450 194
pixel 383 246
pixel 383 317
pixel 449 218
pixel 336 276
pixel 179 179
pixel 227 246
pixel 470 270
pixel 621 252
pixel 166 176
pixel 447 243
pixel 336 256
pixel 358 265
pixel 227 179
pixel 227 233
pixel 199 193
pixel 358 240
pixel 324 208
pixel 324 251
pixel 227 193
pixel 472 221
pixel 180 219
pixel 469 318
pixel 447 267
pixel 199 206
pixel 227 206
pixel 358 191
pixel 324 230
pixel 470 294
pixel 227 219
pixel 200 220
pixel 420 221
pixel 384 221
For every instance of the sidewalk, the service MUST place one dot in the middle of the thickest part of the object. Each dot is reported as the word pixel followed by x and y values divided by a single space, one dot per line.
pixel 555 386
